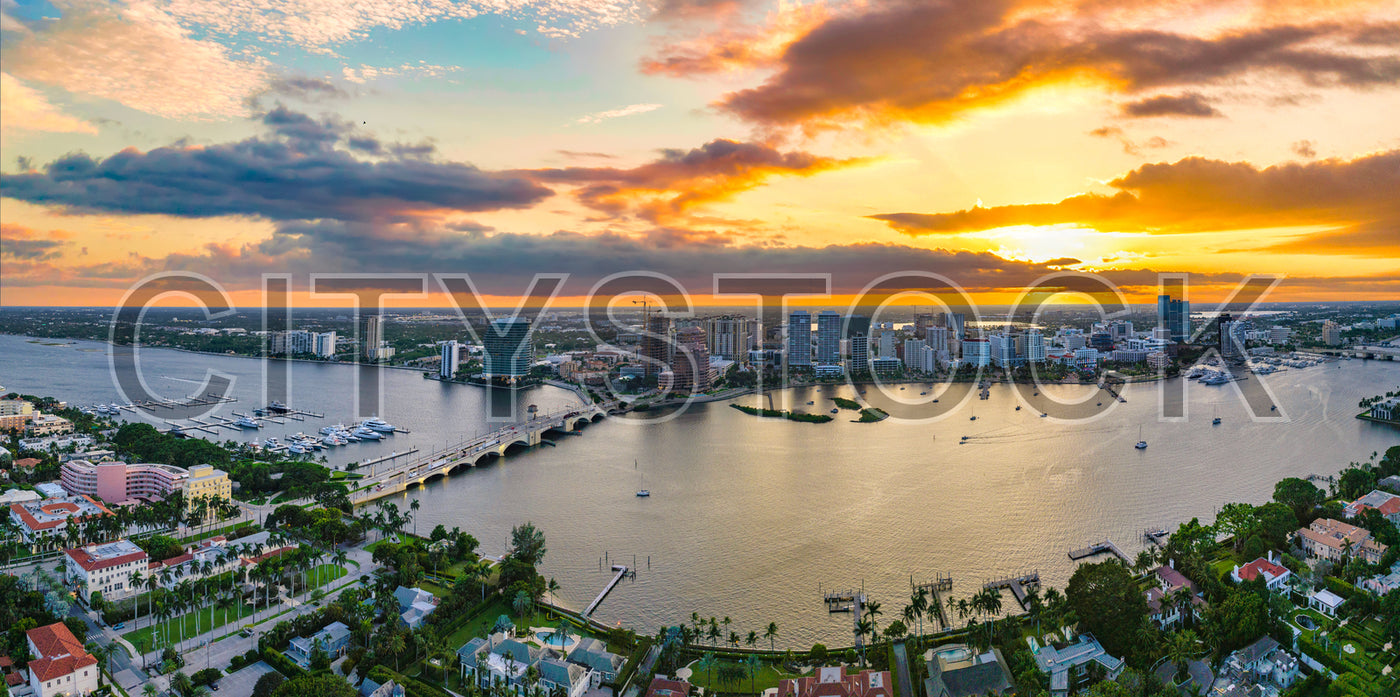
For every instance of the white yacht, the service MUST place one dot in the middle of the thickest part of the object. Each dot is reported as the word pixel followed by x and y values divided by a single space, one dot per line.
pixel 246 422
pixel 366 434
pixel 377 424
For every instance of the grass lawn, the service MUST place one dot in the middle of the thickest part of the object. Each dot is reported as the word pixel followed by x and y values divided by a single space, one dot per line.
pixel 483 623
pixel 183 627
pixel 767 677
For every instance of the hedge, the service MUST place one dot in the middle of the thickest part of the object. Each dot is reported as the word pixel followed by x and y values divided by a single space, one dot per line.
pixel 282 664
pixel 245 659
pixel 1342 588
pixel 634 661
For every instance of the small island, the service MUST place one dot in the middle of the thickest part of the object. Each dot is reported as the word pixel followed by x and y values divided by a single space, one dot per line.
pixel 871 415
pixel 846 403
pixel 783 414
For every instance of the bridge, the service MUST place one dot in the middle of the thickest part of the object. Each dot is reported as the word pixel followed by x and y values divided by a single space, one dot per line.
pixel 1380 353
pixel 397 477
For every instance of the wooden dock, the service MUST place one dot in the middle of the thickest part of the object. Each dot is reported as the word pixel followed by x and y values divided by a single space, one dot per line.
pixel 1020 586
pixel 1155 536
pixel 943 584
pixel 622 571
pixel 1098 548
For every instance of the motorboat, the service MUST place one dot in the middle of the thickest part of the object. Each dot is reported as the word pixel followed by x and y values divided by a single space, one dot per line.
pixel 1141 444
pixel 329 430
pixel 296 448
pixel 377 424
pixel 278 407
pixel 836 411
pixel 366 434
pixel 246 422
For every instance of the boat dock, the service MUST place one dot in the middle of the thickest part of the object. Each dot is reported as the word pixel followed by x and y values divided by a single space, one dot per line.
pixel 943 584
pixel 622 571
pixel 848 601
pixel 1155 536
pixel 1020 586
pixel 1098 548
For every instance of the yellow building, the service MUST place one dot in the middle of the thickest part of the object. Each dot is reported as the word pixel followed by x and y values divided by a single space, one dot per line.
pixel 15 414
pixel 206 482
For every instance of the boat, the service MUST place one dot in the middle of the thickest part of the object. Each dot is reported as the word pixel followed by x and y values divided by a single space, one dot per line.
pixel 1216 421
pixel 1141 444
pixel 375 423
pixel 836 411
pixel 295 448
pixel 642 491
pixel 1043 414
pixel 278 407
pixel 245 422
pixel 366 434
pixel 810 403
pixel 1018 407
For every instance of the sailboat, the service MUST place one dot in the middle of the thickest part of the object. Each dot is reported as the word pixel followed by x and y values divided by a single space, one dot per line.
pixel 642 491
pixel 1141 444
pixel 1216 420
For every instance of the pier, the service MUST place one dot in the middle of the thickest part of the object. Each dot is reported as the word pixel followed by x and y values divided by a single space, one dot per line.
pixel 1020 586
pixel 1098 548
pixel 1155 536
pixel 848 601
pixel 622 571
pixel 943 584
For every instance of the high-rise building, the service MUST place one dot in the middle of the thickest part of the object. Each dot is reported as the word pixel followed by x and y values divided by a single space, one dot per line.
pixel 1175 315
pixel 955 323
pixel 325 344
pixel 859 347
pixel 371 337
pixel 1331 333
pixel 729 337
pixel 451 356
pixel 1002 348
pixel 887 339
pixel 1230 343
pixel 799 338
pixel 828 338
pixel 691 374
pixel 1035 346
pixel 937 338
pixel 509 351
pixel 656 345
pixel 976 352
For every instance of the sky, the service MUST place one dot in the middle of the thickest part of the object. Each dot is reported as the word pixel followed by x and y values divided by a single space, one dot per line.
pixel 988 142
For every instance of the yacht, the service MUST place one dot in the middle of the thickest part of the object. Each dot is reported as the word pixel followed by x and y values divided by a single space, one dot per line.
pixel 642 491
pixel 377 424
pixel 329 430
pixel 278 407
pixel 245 422
pixel 296 448
pixel 366 434
pixel 1141 444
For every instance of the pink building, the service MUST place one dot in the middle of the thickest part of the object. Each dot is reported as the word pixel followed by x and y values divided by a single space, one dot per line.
pixel 118 482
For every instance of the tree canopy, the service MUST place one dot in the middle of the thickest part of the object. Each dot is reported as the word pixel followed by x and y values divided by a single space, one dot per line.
pixel 1108 603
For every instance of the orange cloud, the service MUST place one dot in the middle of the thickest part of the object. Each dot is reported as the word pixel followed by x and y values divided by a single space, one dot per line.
pixel 682 179
pixel 923 62
pixel 1202 195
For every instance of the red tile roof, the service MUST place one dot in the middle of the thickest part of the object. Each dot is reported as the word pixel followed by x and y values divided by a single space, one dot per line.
pixel 60 653
pixel 1251 571
pixel 835 682
pixel 54 509
pixel 661 687
pixel 82 558
pixel 14 679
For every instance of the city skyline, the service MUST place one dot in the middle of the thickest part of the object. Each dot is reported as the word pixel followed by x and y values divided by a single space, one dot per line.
pixel 994 143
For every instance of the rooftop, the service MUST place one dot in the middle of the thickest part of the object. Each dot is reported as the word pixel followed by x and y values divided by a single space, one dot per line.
pixel 105 556
pixel 60 653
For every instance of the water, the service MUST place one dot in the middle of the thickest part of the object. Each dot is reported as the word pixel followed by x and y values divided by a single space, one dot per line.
pixel 753 518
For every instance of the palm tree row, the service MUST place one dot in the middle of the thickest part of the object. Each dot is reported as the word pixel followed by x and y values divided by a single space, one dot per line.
pixel 700 628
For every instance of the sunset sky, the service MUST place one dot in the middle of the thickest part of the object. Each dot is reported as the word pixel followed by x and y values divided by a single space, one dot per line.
pixel 990 141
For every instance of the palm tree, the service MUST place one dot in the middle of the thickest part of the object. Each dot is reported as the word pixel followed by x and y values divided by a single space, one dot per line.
pixel 414 508
pixel 707 664
pixel 1181 647
pixel 752 663
pixel 771 633
pixel 734 639
pixel 751 639
pixel 872 612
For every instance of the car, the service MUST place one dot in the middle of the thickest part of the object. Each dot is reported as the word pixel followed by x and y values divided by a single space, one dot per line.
pixel 119 625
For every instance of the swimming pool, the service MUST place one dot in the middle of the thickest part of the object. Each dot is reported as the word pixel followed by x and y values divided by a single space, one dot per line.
pixel 549 638
pixel 954 653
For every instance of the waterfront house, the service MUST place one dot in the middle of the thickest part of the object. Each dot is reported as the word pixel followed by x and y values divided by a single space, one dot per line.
pixel 594 655
pixel 60 665
pixel 1325 602
pixel 957 670
pixel 370 688
pixel 505 661
pixel 1062 661
pixel 1387 409
pixel 334 639
pixel 415 604
pixel 1336 541
pixel 1275 576
pixel 1387 503
pixel 1163 604
pixel 834 681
